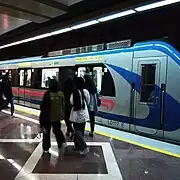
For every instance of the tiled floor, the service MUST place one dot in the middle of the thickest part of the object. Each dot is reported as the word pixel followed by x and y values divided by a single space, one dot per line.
pixel 21 157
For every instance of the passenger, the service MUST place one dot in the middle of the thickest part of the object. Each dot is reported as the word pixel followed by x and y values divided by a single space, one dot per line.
pixel 52 111
pixel 94 101
pixel 47 82
pixel 7 91
pixel 1 93
pixel 67 90
pixel 80 99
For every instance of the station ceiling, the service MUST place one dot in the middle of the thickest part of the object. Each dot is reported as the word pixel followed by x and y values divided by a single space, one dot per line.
pixel 22 19
pixel 16 13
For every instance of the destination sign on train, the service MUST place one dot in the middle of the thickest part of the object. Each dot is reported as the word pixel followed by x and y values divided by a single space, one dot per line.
pixel 90 58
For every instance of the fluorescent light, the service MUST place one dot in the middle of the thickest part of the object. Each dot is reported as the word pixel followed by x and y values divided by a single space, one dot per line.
pixel 42 36
pixel 117 15
pixel 156 5
pixel 61 31
pixel 89 23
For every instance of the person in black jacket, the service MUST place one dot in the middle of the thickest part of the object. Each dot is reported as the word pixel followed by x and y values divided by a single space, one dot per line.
pixel 1 93
pixel 67 90
pixel 94 101
pixel 52 112
pixel 7 91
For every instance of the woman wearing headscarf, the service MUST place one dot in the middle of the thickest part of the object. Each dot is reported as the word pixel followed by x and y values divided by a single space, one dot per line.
pixel 52 112
pixel 94 101
pixel 80 100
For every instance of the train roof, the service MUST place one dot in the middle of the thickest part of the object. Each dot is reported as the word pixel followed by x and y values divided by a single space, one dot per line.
pixel 152 45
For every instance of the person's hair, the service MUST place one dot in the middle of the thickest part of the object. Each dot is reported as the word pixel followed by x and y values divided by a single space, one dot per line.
pixel 53 86
pixel 79 87
pixel 6 76
pixel 90 85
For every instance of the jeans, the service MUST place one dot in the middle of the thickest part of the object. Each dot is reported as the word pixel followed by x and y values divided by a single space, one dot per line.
pixel 92 120
pixel 79 142
pixel 57 132
pixel 11 101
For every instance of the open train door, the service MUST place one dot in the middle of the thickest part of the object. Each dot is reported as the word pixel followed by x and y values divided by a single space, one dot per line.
pixel 149 94
pixel 21 88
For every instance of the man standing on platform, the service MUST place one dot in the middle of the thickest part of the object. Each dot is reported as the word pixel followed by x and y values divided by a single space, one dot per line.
pixel 7 91
pixel 67 90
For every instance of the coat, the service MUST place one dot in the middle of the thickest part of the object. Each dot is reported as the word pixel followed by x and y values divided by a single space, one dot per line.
pixel 52 110
pixel 82 115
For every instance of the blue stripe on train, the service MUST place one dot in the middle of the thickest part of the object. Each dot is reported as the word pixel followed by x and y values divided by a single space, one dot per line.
pixel 33 101
pixel 171 114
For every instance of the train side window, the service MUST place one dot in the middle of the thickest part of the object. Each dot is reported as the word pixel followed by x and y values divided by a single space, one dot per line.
pixel 97 76
pixel 81 71
pixel 27 78
pixel 48 74
pixel 108 87
pixel 21 77
pixel 36 78
pixel 148 73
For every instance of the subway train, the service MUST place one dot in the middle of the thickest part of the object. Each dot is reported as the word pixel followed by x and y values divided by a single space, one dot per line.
pixel 139 86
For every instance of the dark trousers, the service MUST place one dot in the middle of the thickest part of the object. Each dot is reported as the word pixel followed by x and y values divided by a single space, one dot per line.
pixel 92 120
pixel 4 104
pixel 79 142
pixel 11 101
pixel 57 132
pixel 67 121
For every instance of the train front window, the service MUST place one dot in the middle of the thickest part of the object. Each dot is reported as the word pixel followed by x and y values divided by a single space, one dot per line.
pixel 108 86
pixel 81 71
pixel 47 75
pixel 148 73
pixel 97 76
pixel 28 78
pixel 21 77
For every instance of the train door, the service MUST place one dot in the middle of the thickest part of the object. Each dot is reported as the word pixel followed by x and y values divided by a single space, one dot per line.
pixel 148 100
pixel 25 81
pixel 21 89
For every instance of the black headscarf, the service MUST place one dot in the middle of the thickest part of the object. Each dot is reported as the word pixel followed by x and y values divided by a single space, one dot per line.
pixel 89 84
pixel 79 83
pixel 53 86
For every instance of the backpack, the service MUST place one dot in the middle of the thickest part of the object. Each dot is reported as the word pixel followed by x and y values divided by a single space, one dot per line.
pixel 57 106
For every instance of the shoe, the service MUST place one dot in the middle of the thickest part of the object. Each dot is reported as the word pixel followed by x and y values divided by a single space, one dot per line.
pixel 91 134
pixel 76 150
pixel 45 152
pixel 86 151
pixel 72 136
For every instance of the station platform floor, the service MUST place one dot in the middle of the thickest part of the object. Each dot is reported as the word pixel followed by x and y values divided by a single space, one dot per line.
pixel 114 155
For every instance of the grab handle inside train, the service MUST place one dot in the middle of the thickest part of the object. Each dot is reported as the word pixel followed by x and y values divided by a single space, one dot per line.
pixel 132 101
pixel 163 90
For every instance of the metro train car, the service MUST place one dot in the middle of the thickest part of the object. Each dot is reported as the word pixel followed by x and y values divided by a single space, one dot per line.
pixel 139 86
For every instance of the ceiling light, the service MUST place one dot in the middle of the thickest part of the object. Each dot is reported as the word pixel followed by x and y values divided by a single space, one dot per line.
pixel 60 31
pixel 42 36
pixel 117 15
pixel 156 5
pixel 89 23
